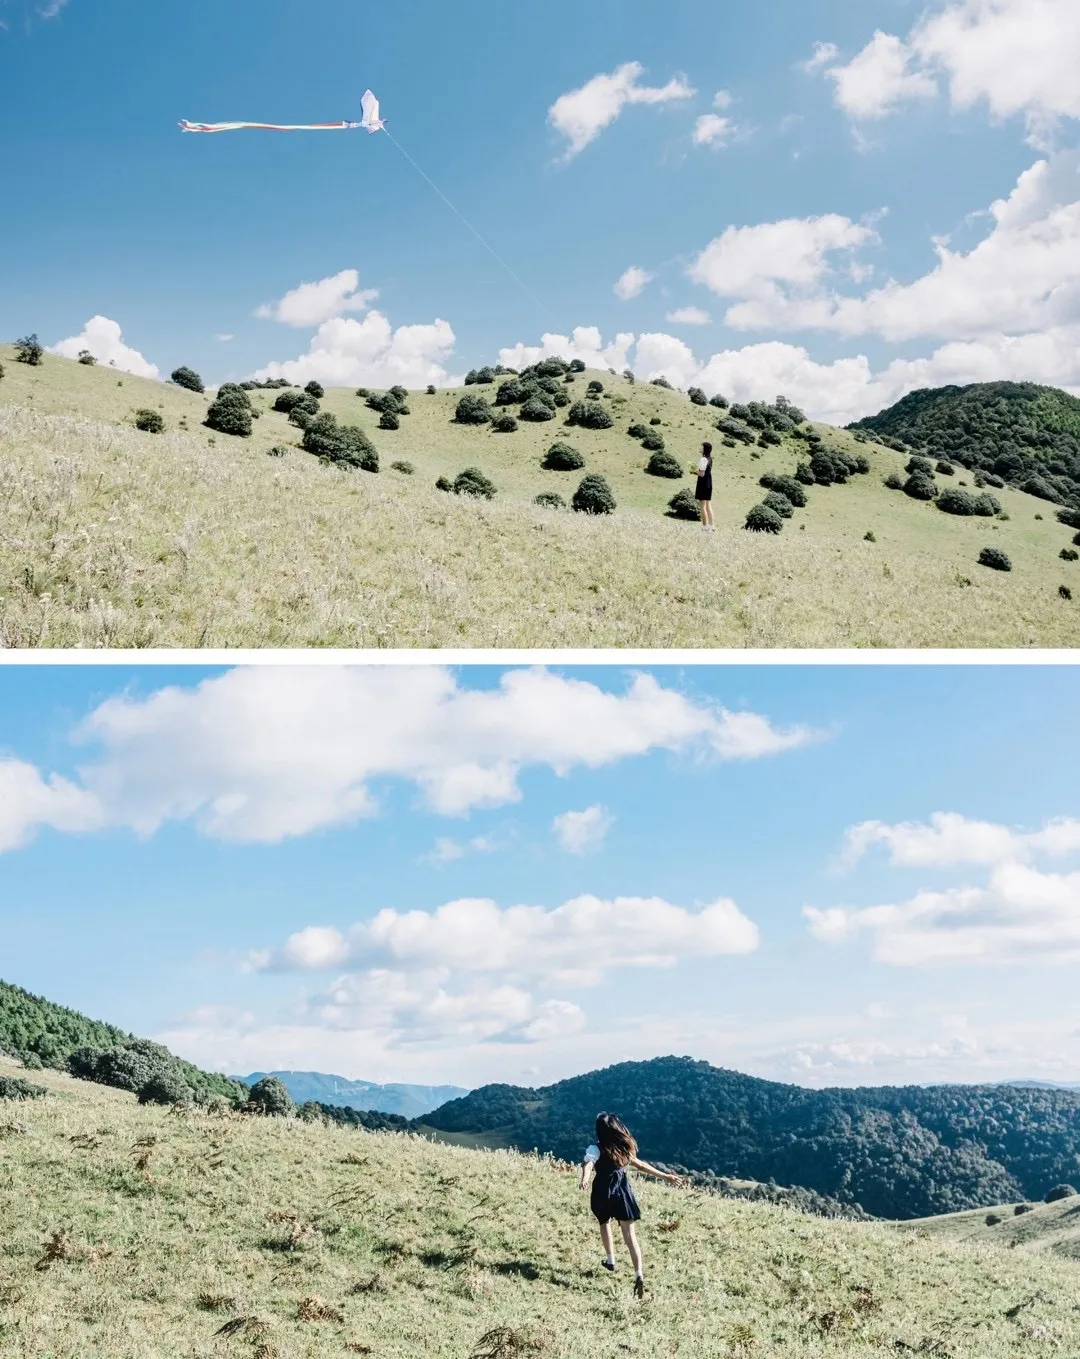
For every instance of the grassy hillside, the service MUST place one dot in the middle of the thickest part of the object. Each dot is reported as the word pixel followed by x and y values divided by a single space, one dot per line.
pixel 113 537
pixel 1029 435
pixel 133 1233
pixel 1038 1228
pixel 897 1151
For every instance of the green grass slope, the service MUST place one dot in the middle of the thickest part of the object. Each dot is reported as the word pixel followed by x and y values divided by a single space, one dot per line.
pixel 133 1233
pixel 1053 1228
pixel 112 537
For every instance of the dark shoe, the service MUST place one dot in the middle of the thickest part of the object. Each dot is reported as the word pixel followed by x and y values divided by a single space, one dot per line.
pixel 607 1266
pixel 639 1288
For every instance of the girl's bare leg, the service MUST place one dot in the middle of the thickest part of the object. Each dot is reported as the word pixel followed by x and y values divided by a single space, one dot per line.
pixel 630 1237
pixel 708 513
pixel 605 1237
pixel 703 508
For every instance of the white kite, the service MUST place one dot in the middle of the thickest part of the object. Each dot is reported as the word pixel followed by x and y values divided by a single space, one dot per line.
pixel 371 122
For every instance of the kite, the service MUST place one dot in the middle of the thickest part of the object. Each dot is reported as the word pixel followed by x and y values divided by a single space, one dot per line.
pixel 371 122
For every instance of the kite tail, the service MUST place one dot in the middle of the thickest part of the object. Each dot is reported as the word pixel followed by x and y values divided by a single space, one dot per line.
pixel 462 218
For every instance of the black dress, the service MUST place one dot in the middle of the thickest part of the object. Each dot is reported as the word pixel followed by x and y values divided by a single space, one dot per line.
pixel 704 486
pixel 612 1194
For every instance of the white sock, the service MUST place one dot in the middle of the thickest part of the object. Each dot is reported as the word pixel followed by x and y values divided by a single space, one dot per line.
pixel 610 1259
pixel 640 1274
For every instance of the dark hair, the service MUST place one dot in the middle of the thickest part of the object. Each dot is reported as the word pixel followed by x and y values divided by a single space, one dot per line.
pixel 615 1139
pixel 707 450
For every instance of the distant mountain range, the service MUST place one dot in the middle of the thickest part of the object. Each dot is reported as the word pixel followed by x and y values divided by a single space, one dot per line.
pixel 410 1101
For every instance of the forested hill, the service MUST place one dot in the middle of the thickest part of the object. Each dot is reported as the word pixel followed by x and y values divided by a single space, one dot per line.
pixel 1029 436
pixel 42 1034
pixel 899 1152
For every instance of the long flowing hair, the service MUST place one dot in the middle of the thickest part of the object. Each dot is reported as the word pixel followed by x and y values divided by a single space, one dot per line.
pixel 615 1139
pixel 706 450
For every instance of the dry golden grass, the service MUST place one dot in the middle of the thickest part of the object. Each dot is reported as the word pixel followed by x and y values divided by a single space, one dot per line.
pixel 114 538
pixel 419 1249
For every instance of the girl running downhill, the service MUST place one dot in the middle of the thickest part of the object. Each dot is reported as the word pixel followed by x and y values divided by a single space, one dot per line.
pixel 612 1196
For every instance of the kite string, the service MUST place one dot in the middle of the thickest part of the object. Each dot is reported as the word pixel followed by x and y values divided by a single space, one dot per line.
pixel 462 218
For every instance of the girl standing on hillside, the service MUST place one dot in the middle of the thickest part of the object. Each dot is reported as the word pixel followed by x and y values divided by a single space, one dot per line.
pixel 703 492
pixel 612 1196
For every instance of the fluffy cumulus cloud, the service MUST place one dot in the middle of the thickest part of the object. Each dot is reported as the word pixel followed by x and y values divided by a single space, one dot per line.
pixel 30 803
pixel 712 129
pixel 1018 57
pixel 257 755
pixel 105 340
pixel 585 343
pixel 689 316
pixel 1020 914
pixel 581 832
pixel 313 303
pixel 575 944
pixel 632 283
pixel 345 352
pixel 581 115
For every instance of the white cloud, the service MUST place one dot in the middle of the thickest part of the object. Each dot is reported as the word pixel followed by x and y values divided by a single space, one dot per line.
pixel 581 115
pixel 576 943
pixel 1018 56
pixel 104 339
pixel 29 803
pixel 580 832
pixel 823 54
pixel 1021 914
pixel 260 754
pixel 632 283
pixel 722 99
pixel 311 304
pixel 879 78
pixel 586 344
pixel 349 353
pixel 689 316
pixel 224 339
pixel 762 262
pixel 713 130
pixel 447 850
pixel 952 839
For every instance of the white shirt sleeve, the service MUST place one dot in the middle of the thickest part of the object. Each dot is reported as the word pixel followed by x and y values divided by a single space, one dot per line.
pixel 702 467
pixel 592 1153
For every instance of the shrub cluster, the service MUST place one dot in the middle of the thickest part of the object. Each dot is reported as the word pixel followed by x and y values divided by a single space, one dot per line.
pixel 231 411
pixel 145 1068
pixel 593 496
pixel 955 501
pixel 13 1087
pixel 589 415
pixel 472 410
pixel 787 486
pixel 537 410
pixel 480 377
pixel 346 445
pixel 29 350
pixel 562 458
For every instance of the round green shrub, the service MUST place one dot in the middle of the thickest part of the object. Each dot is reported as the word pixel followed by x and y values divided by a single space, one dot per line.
pixel 787 486
pixel 762 519
pixel 473 482
pixel 14 1087
pixel 664 464
pixel 779 502
pixel 697 396
pixel 389 420
pixel 662 382
pixel 804 474
pixel 653 442
pixel 563 458
pixel 768 439
pixel 593 496
pixel 682 505
pixel 278 451
pixel 472 410
pixel 945 468
pixel 167 1087
pixel 431 389
pixel 917 464
pixel 444 484
pixel 504 423
pixel 594 388
pixel 271 1098
pixel 577 365
pixel 869 536
pixel 954 501
pixel 1070 518
pixel 344 444
pixel 589 415
pixel 830 467
pixel 552 500
pixel 656 420
pixel 1064 592
pixel 1059 1192
pixel 987 505
pixel 405 468
pixel 150 422
pixel 315 389
pixel 920 487
pixel 1021 1209
pixel 720 402
pixel 995 559
pixel 894 481
pixel 227 415
pixel 537 411
pixel 187 377
pixel 510 393
pixel 638 431
pixel 287 401
pixel 992 1219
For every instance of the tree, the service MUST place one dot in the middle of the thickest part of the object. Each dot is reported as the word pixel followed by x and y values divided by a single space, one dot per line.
pixel 389 420
pixel 720 402
pixel 29 350
pixel 995 559
pixel 662 382
pixel 562 458
pixel 697 396
pixel 315 389
pixel 472 410
pixel 504 423
pixel 537 411
pixel 167 1087
pixel 589 415
pixel 271 1097
pixel 551 500
pixel 779 504
pixel 86 358
pixel 920 487
pixel 593 496
pixel 287 402
pixel 473 482
pixel 1059 1192
pixel 577 365
pixel 344 444
pixel 787 486
pixel 230 412
pixel 663 464
pixel 188 378
pixel 151 422
pixel 682 505
pixel 762 519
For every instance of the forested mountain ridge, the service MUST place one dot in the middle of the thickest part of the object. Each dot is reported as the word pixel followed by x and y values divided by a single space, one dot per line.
pixel 43 1034
pixel 1027 435
pixel 410 1101
pixel 898 1152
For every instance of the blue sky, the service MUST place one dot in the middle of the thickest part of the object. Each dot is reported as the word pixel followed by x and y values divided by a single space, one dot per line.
pixel 785 169
pixel 823 874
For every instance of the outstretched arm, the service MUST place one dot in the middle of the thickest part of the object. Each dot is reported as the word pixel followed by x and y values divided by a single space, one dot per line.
pixel 652 1170
pixel 587 1169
